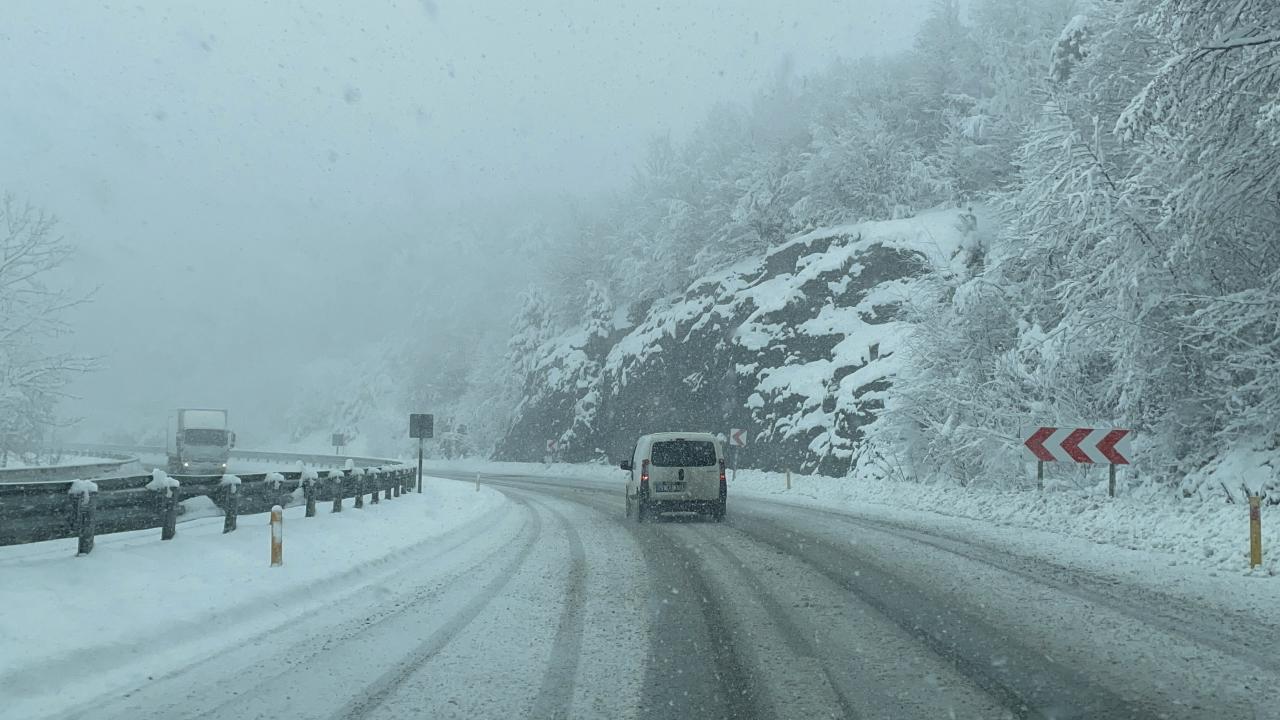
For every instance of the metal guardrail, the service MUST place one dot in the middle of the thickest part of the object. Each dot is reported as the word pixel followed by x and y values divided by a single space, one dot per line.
pixel 48 510
pixel 284 458
pixel 108 461
pixel 310 459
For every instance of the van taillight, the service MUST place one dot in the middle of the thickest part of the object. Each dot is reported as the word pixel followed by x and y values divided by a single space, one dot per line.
pixel 722 471
pixel 644 474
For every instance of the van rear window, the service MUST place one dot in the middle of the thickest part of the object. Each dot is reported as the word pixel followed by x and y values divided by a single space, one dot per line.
pixel 683 453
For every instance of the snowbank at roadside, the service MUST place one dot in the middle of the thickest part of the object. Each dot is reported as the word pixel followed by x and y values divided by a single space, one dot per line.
pixel 1187 531
pixel 137 601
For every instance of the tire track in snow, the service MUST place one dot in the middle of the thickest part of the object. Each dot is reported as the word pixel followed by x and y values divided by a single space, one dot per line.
pixel 555 696
pixel 380 689
pixel 684 660
pixel 1223 637
pixel 796 639
pixel 1027 682
pixel 304 651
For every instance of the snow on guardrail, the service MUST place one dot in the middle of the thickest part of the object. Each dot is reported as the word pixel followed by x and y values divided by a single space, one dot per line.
pixel 33 511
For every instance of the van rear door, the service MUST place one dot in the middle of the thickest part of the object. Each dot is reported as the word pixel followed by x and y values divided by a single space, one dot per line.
pixel 684 468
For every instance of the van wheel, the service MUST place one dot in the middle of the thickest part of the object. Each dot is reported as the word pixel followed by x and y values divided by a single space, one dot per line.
pixel 717 514
pixel 642 512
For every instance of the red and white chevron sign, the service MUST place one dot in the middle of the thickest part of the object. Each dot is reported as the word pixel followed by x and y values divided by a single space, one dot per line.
pixel 1083 445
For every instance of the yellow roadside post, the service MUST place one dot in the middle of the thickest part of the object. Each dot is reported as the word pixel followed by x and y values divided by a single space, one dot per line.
pixel 1255 530
pixel 277 536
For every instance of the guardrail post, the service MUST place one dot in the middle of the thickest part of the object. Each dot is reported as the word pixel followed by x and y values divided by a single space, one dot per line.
pixel 335 477
pixel 395 482
pixel 309 494
pixel 84 493
pixel 358 473
pixel 307 479
pixel 167 490
pixel 375 480
pixel 231 501
pixel 276 481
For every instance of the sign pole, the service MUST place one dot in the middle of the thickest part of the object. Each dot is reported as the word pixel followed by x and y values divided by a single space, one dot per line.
pixel 1111 481
pixel 1040 474
pixel 419 465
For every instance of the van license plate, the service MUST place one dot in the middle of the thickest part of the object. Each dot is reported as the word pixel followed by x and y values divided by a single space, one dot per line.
pixel 670 487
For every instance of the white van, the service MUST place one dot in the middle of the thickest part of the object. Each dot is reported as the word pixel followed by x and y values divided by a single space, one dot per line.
pixel 676 472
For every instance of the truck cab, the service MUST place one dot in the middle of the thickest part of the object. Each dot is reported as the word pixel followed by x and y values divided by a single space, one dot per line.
pixel 199 442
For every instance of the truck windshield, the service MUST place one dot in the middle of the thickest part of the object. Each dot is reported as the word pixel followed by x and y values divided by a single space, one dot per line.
pixel 205 437
pixel 683 453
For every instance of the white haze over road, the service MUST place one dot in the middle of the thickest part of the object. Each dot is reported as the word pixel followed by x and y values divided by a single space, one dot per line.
pixel 241 177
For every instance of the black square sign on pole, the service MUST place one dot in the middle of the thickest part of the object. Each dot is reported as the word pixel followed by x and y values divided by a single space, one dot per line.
pixel 421 426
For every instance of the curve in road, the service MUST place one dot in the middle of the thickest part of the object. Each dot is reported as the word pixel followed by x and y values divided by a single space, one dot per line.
pixel 558 606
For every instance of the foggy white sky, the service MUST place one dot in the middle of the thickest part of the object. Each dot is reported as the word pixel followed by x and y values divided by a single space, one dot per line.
pixel 239 175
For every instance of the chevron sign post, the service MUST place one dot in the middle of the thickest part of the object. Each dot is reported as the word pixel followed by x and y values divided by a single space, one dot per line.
pixel 1109 446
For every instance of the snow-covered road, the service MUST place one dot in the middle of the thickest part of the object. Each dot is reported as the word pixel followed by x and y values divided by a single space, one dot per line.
pixel 552 604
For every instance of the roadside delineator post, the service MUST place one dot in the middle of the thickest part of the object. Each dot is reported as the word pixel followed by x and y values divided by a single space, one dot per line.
pixel 788 479
pixel 374 479
pixel 477 482
pixel 277 536
pixel 1255 530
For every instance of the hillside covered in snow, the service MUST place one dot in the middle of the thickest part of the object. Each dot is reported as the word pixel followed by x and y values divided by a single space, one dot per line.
pixel 800 347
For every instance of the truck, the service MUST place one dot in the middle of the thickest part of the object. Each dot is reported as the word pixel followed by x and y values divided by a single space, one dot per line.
pixel 199 442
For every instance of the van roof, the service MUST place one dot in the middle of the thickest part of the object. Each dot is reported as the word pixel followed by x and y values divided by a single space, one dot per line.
pixel 681 435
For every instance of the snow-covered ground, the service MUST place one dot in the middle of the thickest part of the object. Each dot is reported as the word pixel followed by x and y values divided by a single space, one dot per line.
pixel 138 607
pixel 1169 532
pixel 1191 550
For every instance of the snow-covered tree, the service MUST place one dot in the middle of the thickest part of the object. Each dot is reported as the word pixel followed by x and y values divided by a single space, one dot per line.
pixel 33 377
pixel 530 330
